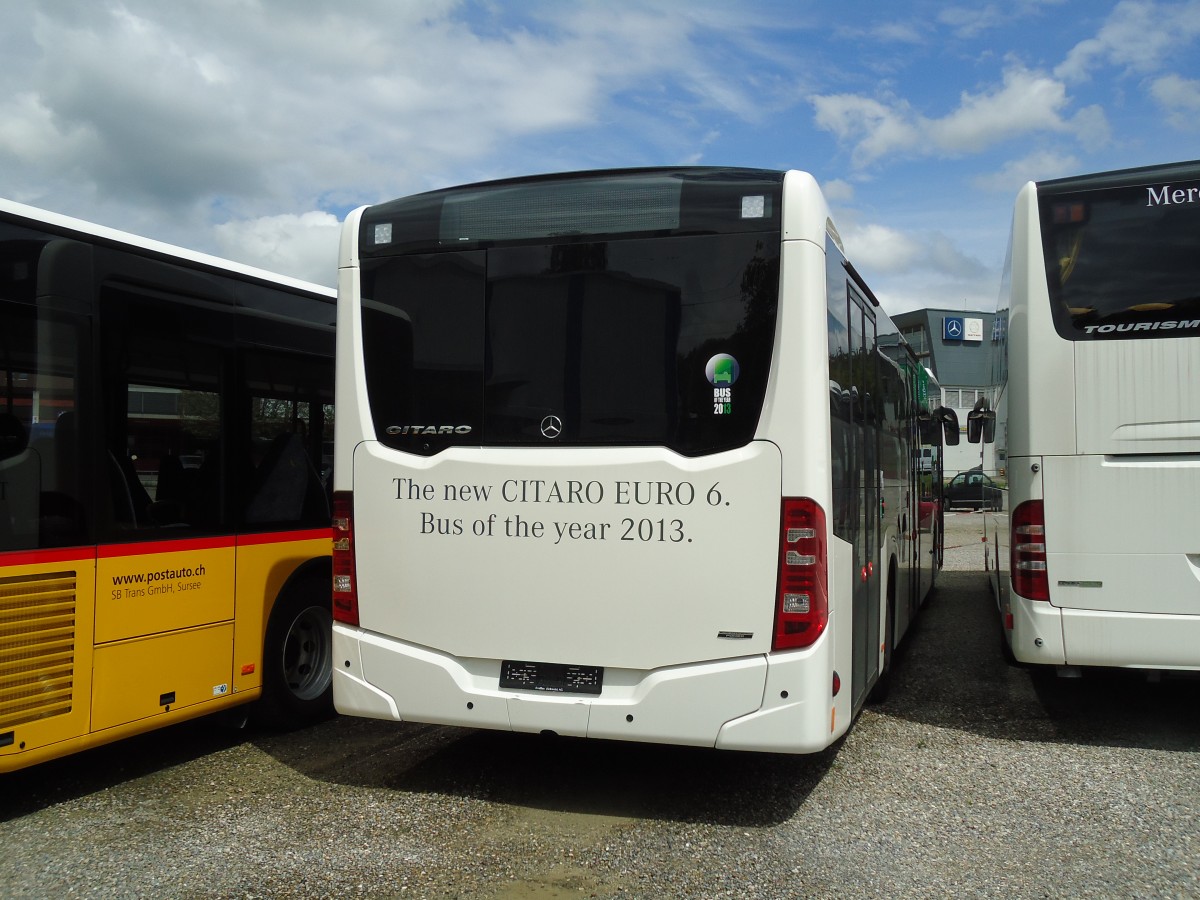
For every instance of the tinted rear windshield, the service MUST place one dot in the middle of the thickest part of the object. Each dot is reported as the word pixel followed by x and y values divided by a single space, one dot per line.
pixel 1122 254
pixel 660 341
pixel 619 309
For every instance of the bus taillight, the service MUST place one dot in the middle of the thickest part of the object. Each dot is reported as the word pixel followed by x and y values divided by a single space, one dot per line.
pixel 802 606
pixel 1028 554
pixel 345 588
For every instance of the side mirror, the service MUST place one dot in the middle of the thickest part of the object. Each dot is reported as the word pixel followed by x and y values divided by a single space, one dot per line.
pixel 981 426
pixel 928 428
pixel 949 420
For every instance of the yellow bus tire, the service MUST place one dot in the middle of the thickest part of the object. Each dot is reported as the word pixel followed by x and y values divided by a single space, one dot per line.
pixel 297 657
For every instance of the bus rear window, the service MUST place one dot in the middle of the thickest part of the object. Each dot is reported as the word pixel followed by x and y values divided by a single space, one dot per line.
pixel 661 341
pixel 581 206
pixel 1122 261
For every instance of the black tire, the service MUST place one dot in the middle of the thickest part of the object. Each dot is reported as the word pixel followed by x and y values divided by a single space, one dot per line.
pixel 298 658
pixel 1006 650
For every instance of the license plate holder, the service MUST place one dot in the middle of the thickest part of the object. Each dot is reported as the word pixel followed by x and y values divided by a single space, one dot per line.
pixel 551 678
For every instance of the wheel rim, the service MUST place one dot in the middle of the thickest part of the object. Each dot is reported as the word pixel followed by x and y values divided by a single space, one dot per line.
pixel 307 650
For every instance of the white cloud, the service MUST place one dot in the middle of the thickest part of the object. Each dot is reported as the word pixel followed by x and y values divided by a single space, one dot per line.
pixel 1037 166
pixel 33 135
pixel 837 190
pixel 1138 36
pixel 304 245
pixel 881 249
pixel 1180 99
pixel 238 111
pixel 889 251
pixel 879 129
pixel 1027 102
pixel 970 22
pixel 899 33
pixel 911 269
pixel 889 32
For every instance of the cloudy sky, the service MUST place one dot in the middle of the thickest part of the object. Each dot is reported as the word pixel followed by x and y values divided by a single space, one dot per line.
pixel 248 128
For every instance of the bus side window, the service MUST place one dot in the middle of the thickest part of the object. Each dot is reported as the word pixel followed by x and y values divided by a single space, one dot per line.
pixel 281 482
pixel 291 421
pixel 20 479
pixel 62 513
pixel 165 425
pixel 42 503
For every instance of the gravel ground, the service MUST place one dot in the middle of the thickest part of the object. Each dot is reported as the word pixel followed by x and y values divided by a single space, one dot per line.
pixel 974 779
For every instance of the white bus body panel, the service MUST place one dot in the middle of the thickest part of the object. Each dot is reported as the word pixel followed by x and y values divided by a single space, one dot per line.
pixel 1036 635
pixel 688 576
pixel 1138 396
pixel 1123 534
pixel 1131 640
pixel 1040 422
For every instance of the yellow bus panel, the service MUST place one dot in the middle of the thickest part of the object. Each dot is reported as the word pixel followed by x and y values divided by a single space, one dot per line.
pixel 144 589
pixel 149 676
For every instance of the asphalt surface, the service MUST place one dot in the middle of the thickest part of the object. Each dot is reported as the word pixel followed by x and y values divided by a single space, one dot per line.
pixel 974 779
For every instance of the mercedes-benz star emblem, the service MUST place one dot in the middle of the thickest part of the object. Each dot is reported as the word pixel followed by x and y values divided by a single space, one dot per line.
pixel 551 427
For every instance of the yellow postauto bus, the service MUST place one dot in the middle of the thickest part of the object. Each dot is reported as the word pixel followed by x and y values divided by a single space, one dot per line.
pixel 165 454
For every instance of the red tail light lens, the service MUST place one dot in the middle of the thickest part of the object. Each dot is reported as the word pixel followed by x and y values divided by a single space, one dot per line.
pixel 345 584
pixel 1028 551
pixel 802 605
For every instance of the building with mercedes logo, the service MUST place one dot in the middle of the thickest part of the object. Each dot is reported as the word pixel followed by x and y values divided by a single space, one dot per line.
pixel 956 346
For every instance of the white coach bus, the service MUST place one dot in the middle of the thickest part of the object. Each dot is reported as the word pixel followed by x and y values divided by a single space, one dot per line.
pixel 1100 564
pixel 628 454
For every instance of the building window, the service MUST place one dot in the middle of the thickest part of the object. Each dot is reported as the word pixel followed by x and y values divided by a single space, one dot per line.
pixel 917 339
pixel 964 398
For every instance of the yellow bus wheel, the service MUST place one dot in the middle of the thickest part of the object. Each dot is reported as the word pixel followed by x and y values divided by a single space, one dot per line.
pixel 297 657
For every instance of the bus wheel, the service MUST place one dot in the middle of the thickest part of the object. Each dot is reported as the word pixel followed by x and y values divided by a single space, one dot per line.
pixel 298 657
pixel 1006 650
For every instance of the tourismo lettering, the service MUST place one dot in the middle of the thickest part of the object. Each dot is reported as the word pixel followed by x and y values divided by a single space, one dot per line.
pixel 1165 195
pixel 1143 326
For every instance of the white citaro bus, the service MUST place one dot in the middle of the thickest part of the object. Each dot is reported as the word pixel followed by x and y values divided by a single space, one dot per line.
pixel 629 454
pixel 1100 563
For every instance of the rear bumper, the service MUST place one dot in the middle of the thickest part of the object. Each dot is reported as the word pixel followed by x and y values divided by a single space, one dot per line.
pixel 765 703
pixel 1077 637
pixel 1142 641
